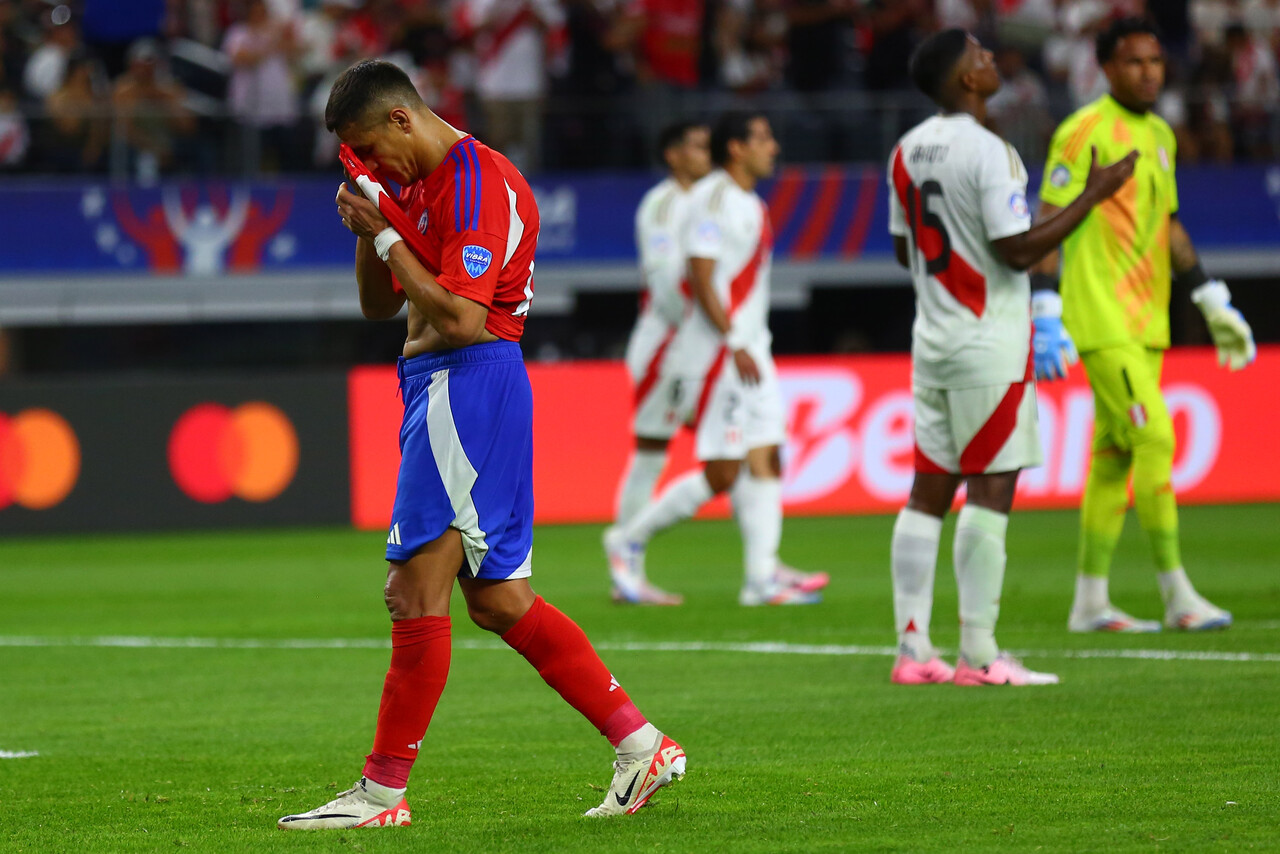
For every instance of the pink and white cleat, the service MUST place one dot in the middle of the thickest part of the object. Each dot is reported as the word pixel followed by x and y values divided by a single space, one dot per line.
pixel 805 582
pixel 1005 670
pixel 645 593
pixel 908 671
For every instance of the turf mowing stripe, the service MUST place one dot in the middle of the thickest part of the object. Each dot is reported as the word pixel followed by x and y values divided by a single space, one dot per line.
pixel 759 648
pixel 18 754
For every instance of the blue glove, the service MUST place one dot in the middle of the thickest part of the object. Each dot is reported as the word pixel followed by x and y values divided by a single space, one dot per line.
pixel 1052 349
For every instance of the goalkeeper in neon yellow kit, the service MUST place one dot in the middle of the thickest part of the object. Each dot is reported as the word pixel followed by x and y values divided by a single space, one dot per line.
pixel 1117 269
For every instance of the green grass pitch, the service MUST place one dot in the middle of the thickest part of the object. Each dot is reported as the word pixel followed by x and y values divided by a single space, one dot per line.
pixel 164 748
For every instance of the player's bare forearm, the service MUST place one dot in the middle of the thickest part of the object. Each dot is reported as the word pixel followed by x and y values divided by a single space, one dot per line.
pixel 378 297
pixel 1036 244
pixel 1021 251
pixel 459 321
pixel 1182 255
pixel 1048 265
pixel 901 251
pixel 700 272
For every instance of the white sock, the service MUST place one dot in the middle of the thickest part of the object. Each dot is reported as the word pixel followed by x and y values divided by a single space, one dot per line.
pixel 757 503
pixel 980 559
pixel 380 794
pixel 636 487
pixel 914 557
pixel 679 501
pixel 1091 594
pixel 639 742
pixel 1174 586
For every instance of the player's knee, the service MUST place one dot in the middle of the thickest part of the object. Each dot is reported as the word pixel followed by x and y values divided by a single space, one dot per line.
pixel 721 474
pixel 492 618
pixel 1156 440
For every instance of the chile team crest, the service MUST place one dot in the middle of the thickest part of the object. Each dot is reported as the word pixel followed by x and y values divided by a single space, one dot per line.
pixel 476 260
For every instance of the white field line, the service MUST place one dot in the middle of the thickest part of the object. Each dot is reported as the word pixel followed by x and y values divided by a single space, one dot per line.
pixel 757 648
pixel 18 754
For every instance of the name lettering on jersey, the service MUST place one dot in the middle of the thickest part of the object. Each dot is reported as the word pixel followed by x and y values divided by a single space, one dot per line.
pixel 476 260
pixel 929 153
pixel 1060 176
pixel 1018 204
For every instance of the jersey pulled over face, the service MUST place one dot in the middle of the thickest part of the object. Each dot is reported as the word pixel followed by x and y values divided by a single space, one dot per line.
pixel 660 244
pixel 954 188
pixel 1115 265
pixel 730 226
pixel 480 220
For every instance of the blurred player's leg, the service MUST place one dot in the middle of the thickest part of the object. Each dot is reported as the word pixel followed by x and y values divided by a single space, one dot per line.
pixel 914 555
pixel 643 471
pixel 980 563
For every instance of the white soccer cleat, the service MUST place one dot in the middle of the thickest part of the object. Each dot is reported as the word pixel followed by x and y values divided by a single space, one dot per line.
pixel 646 594
pixel 635 781
pixel 802 589
pixel 1194 613
pixel 356 807
pixel 1109 619
pixel 1005 670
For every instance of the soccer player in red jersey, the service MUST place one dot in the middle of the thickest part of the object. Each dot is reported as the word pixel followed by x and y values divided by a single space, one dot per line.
pixel 464 496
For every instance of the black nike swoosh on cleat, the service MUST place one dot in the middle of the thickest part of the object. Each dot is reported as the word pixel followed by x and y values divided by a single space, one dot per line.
pixel 623 799
pixel 315 817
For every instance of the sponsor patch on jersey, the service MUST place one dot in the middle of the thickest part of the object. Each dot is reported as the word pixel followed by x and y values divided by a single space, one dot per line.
pixel 1060 176
pixel 708 232
pixel 476 259
pixel 1018 204
pixel 422 223
pixel 1164 158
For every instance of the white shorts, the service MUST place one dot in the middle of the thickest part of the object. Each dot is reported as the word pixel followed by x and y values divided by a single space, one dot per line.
pixel 657 400
pixel 731 417
pixel 983 430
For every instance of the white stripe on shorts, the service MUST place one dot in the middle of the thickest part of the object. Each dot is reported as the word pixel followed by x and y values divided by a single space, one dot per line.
pixel 455 469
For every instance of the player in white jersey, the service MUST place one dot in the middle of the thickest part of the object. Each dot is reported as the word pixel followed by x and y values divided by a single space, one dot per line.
pixel 666 301
pixel 960 223
pixel 729 384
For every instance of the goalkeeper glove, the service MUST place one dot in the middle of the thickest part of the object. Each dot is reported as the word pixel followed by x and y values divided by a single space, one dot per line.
pixel 1230 332
pixel 1051 344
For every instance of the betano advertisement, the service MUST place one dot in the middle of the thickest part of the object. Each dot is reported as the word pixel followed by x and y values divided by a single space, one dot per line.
pixel 850 445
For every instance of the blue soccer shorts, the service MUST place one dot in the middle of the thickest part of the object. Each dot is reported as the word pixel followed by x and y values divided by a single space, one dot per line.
pixel 466 458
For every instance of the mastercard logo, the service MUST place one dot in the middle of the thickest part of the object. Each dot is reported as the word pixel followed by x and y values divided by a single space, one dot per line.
pixel 39 459
pixel 250 452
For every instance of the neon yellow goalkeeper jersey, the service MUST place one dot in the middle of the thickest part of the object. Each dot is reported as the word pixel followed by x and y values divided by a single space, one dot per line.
pixel 1115 266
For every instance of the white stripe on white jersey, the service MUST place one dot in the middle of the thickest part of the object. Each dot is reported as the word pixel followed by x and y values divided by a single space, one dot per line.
pixel 954 187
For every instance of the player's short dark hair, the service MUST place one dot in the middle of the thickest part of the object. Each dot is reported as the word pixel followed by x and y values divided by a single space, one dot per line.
pixel 364 87
pixel 1121 28
pixel 935 58
pixel 730 126
pixel 673 135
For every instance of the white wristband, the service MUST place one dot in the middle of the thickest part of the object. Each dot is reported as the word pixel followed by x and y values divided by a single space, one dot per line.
pixel 385 239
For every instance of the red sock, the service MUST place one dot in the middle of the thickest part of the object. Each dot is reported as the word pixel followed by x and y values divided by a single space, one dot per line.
pixel 419 667
pixel 563 656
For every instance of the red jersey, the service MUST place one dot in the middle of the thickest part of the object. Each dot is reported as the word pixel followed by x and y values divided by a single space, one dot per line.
pixel 480 221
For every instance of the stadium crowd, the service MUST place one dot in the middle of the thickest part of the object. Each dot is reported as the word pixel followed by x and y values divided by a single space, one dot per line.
pixel 146 87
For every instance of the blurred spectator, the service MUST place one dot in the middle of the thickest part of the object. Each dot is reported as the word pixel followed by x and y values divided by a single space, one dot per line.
pixel 893 29
pixel 109 27
pixel 335 35
pixel 978 17
pixel 47 65
pixel 75 137
pixel 12 54
pixel 669 41
pixel 749 39
pixel 818 32
pixel 1262 18
pixel 1019 112
pixel 150 110
pixel 262 94
pixel 1257 91
pixel 1209 20
pixel 510 40
pixel 1071 54
pixel 14 136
